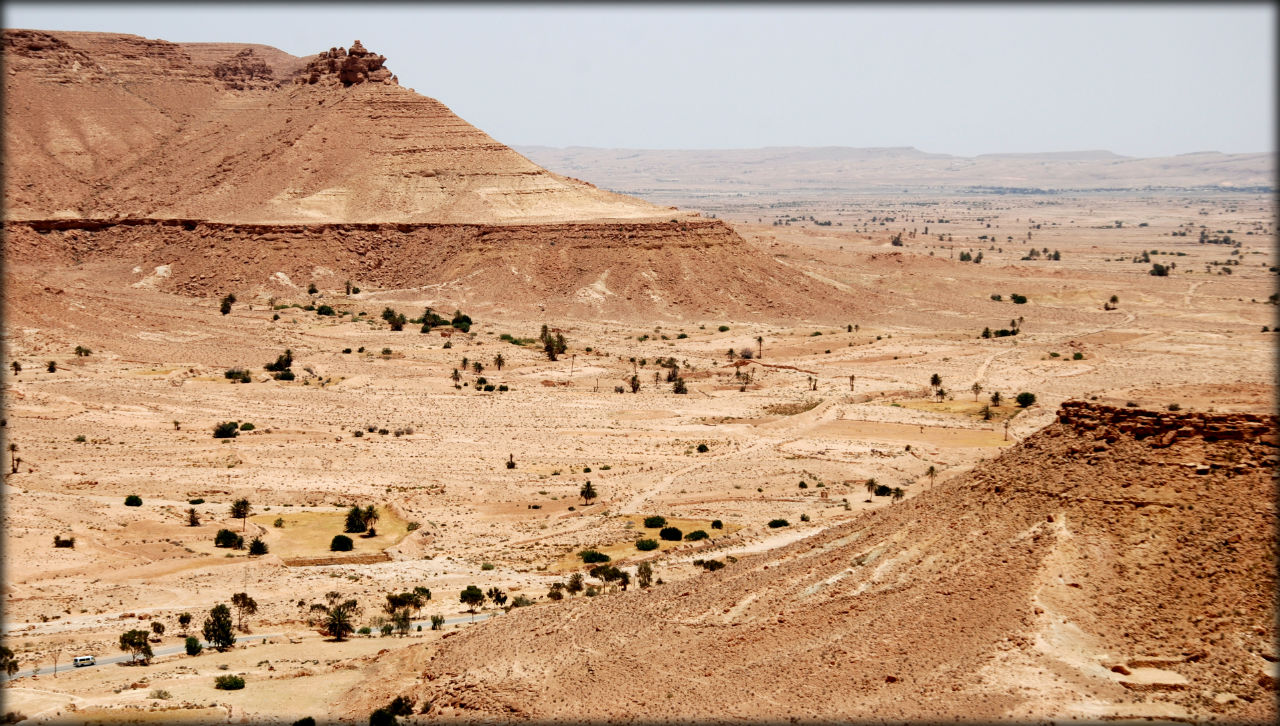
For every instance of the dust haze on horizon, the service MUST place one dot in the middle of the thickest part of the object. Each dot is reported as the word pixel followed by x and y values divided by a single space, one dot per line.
pixel 1134 80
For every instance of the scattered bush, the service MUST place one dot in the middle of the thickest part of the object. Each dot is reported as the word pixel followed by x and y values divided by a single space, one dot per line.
pixel 246 426
pixel 257 546
pixel 702 448
pixel 655 521
pixel 228 683
pixel 1018 299
pixel 1025 399
pixel 197 500
pixel 776 523
pixel 236 374
pixel 341 543
pixel 283 376
pixel 591 556
pixel 486 566
pixel 696 535
pixel 283 362
pixel 193 646
pixel 717 524
pixel 325 310
pixel 709 565
pixel 645 545
pixel 226 430
pixel 133 500
pixel 723 328
pixel 69 542
pixel 1175 407
pixel 671 534
pixel 226 538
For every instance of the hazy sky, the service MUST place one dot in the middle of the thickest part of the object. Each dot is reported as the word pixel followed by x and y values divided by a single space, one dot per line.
pixel 1140 80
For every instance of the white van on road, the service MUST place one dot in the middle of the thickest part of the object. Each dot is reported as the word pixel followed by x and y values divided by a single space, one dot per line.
pixel 83 660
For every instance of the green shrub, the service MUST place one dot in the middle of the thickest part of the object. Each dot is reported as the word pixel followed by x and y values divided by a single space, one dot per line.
pixel 645 545
pixel 226 430
pixel 246 426
pixel 225 538
pixel 776 523
pixel 486 566
pixel 257 547
pixel 228 683
pixel 285 375
pixel 133 500
pixel 591 556
pixel 702 448
pixel 696 535
pixel 1025 399
pixel 709 565
pixel 192 645
pixel 341 543
pixel 197 500
pixel 1018 299
pixel 717 524
pixel 325 310
pixel 671 534
pixel 655 521
pixel 1077 355
pixel 723 328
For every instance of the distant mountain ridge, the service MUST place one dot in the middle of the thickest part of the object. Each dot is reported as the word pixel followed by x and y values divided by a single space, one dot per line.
pixel 669 175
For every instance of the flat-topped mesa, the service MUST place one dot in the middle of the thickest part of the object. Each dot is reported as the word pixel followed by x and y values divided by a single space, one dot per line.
pixel 347 67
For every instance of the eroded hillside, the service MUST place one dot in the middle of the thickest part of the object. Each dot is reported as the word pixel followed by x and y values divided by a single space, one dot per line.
pixel 1120 563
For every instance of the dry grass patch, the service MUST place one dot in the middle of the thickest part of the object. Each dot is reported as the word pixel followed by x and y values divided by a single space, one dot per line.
pixel 308 534
pixel 972 409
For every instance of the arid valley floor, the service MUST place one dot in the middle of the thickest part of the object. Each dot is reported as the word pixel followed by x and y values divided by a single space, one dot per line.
pixel 1040 562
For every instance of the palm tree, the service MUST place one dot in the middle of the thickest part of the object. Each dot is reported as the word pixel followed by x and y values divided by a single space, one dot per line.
pixel 871 486
pixel 976 388
pixel 932 473
pixel 477 366
pixel 760 344
pixel 587 493
pixel 13 458
pixel 456 375
pixel 370 515
pixel 337 617
pixel 941 393
pixel 935 380
pixel 498 361
pixel 898 493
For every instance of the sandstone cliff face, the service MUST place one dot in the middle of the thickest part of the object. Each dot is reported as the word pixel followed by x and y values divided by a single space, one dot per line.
pixel 694 268
pixel 1136 579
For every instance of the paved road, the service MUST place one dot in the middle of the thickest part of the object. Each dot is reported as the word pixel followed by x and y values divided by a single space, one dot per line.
pixel 170 650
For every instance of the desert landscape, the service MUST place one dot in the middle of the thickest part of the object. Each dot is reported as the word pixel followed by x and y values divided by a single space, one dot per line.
pixel 858 435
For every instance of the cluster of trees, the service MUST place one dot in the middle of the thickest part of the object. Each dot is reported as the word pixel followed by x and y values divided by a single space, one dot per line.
pixel 552 344
pixel 473 597
pixel 362 520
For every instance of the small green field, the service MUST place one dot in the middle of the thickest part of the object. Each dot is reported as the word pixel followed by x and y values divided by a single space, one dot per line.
pixel 626 548
pixel 308 534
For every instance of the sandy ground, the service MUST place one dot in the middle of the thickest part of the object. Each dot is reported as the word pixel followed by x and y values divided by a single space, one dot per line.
pixel 147 398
